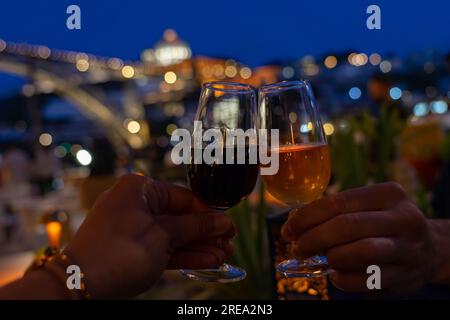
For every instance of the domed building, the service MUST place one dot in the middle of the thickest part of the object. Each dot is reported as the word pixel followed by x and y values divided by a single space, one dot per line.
pixel 169 50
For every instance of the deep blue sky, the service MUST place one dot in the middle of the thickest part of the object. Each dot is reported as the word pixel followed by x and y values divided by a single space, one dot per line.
pixel 253 32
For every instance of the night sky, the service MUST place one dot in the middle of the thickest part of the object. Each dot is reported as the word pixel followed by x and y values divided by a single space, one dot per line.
pixel 253 32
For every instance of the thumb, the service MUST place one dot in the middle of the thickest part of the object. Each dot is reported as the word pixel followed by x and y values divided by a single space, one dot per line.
pixel 189 228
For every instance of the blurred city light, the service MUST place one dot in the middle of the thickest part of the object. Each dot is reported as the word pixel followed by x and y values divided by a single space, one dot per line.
pixel 292 117
pixel 351 57
pixel 171 128
pixel 375 59
pixel 45 139
pixel 128 72
pixel 245 73
pixel 354 93
pixel 44 52
pixel 84 157
pixel 439 106
pixel 359 59
pixel 60 152
pixel 328 128
pixel 28 90
pixel 170 77
pixel 133 126
pixel 395 93
pixel 288 72
pixel 330 62
pixel 230 71
pixel 304 128
pixel 74 149
pixel 420 109
pixel 311 69
pixel 385 66
pixel 82 65
pixel 115 63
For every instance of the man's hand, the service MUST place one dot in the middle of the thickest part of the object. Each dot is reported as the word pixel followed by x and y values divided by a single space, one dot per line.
pixel 378 225
pixel 140 227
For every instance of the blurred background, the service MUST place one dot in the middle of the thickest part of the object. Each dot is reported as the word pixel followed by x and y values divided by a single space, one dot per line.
pixel 78 108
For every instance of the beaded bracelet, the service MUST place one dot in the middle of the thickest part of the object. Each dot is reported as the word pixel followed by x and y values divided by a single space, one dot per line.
pixel 57 263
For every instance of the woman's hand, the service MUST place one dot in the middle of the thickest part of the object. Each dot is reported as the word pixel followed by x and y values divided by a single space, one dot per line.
pixel 140 227
pixel 378 225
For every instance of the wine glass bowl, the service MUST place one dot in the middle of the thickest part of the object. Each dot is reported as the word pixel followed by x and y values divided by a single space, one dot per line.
pixel 223 107
pixel 304 159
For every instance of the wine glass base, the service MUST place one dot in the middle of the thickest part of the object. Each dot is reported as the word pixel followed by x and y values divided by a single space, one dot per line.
pixel 224 274
pixel 313 267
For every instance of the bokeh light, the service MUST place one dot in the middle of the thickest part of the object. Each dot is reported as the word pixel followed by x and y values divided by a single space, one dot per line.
pixel 170 77
pixel 395 93
pixel 330 62
pixel 354 93
pixel 84 157
pixel 45 139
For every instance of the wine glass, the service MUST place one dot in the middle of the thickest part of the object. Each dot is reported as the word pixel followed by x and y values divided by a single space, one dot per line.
pixel 223 107
pixel 304 160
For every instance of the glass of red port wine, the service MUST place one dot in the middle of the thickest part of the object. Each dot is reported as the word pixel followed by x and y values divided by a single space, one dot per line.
pixel 223 107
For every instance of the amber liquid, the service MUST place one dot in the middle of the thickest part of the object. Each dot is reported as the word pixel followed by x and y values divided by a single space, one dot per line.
pixel 303 174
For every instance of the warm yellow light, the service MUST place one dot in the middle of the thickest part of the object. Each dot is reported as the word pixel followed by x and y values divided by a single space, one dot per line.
pixel 128 72
pixel 45 139
pixel 230 71
pixel 330 62
pixel 170 77
pixel 328 128
pixel 245 72
pixel 53 230
pixel 218 70
pixel 311 69
pixel 351 57
pixel 359 59
pixel 82 65
pixel 310 126
pixel 171 128
pixel 133 126
pixel 292 117
pixel 136 142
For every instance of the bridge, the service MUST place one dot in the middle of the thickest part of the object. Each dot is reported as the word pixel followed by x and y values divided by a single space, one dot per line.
pixel 78 77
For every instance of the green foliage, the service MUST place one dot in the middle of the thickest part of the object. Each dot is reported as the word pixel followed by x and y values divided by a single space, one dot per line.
pixel 363 147
pixel 349 159
pixel 388 128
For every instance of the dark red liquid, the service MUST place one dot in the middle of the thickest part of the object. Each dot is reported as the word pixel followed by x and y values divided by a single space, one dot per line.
pixel 222 186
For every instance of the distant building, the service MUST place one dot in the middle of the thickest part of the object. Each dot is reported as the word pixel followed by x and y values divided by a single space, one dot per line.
pixel 170 50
